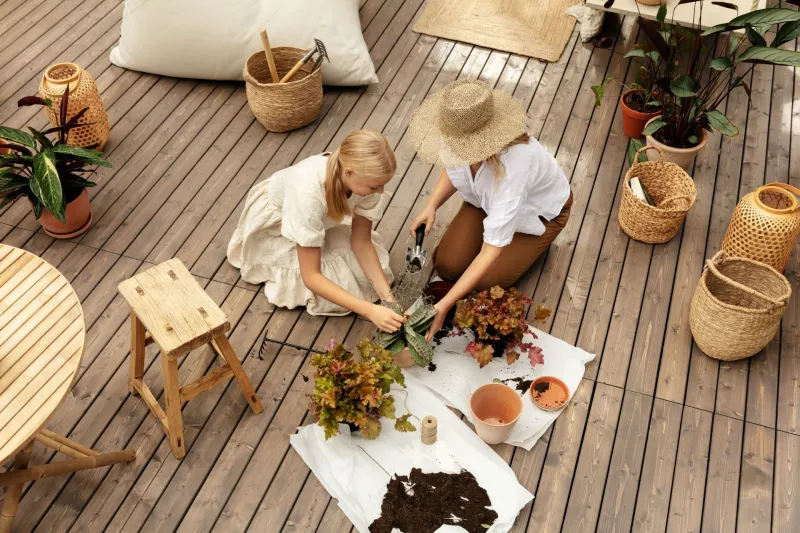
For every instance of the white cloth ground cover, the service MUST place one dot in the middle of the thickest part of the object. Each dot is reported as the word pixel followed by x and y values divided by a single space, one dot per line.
pixel 356 471
pixel 458 375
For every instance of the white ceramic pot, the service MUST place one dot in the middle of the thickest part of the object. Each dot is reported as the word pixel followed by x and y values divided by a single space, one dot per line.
pixel 683 157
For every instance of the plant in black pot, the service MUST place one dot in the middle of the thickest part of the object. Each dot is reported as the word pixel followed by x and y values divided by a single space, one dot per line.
pixel 496 318
pixel 51 174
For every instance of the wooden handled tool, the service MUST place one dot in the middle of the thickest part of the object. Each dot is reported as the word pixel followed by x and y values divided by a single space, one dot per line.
pixel 319 48
pixel 270 59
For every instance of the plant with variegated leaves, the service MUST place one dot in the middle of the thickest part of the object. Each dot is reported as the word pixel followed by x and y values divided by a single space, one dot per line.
pixel 356 391
pixel 49 172
pixel 411 335
pixel 496 317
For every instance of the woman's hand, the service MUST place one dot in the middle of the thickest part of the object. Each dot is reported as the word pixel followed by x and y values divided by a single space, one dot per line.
pixel 385 319
pixel 427 217
pixel 438 321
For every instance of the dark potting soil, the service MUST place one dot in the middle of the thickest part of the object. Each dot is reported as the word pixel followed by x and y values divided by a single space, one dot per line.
pixel 636 101
pixel 432 366
pixel 542 387
pixel 422 503
pixel 661 136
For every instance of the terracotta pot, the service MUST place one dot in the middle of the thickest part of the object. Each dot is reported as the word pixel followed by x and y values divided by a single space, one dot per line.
pixel 633 121
pixel 404 359
pixel 78 216
pixel 496 409
pixel 437 290
pixel 683 157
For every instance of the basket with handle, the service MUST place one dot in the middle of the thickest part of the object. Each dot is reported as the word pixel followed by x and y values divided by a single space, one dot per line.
pixel 671 189
pixel 765 225
pixel 281 107
pixel 737 307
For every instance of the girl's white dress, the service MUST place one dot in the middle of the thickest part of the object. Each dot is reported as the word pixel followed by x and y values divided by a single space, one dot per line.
pixel 290 209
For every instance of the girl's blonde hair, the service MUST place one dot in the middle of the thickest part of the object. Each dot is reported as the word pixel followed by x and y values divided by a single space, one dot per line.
pixel 494 161
pixel 368 154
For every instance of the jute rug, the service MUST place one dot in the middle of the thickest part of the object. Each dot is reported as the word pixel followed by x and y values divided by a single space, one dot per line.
pixel 534 28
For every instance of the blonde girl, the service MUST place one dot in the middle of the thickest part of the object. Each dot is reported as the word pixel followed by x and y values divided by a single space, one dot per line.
pixel 306 233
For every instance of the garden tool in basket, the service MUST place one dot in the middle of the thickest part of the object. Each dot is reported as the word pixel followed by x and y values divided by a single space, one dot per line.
pixel 416 256
pixel 319 48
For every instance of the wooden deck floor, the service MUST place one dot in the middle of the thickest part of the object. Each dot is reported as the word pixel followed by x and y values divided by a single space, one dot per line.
pixel 659 438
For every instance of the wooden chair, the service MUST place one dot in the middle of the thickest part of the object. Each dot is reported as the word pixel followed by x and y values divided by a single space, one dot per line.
pixel 168 307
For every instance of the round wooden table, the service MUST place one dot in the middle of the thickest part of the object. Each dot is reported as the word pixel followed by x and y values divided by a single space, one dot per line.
pixel 42 334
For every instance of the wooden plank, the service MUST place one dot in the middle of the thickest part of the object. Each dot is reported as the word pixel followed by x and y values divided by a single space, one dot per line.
pixel 785 507
pixel 757 477
pixel 722 485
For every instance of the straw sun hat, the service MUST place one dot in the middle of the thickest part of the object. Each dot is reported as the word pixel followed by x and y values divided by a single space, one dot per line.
pixel 464 123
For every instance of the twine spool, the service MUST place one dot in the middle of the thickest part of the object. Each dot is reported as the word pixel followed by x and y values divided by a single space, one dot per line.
pixel 671 189
pixel 765 225
pixel 82 94
pixel 281 107
pixel 737 307
pixel 429 429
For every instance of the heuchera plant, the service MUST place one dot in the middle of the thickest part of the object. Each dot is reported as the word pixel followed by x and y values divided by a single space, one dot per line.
pixel 497 319
pixel 356 392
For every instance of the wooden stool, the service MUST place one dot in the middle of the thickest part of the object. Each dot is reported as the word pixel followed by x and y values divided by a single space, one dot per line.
pixel 169 308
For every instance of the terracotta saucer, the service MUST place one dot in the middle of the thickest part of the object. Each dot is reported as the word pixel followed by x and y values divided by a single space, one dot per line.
pixel 554 398
pixel 72 234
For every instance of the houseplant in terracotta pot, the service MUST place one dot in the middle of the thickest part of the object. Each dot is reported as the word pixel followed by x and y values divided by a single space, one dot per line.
pixel 49 172
pixel 408 344
pixel 356 391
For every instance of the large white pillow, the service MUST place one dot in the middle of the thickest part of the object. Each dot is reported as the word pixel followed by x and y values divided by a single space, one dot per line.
pixel 212 39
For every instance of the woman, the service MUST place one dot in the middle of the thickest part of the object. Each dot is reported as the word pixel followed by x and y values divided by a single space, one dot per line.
pixel 295 234
pixel 516 198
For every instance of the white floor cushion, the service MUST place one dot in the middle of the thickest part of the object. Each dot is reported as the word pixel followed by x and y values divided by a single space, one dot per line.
pixel 209 39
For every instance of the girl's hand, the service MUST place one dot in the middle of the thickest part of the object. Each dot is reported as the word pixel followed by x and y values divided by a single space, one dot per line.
pixel 438 322
pixel 427 217
pixel 385 319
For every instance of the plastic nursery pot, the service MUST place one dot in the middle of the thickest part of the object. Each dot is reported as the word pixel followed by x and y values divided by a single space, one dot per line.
pixel 77 214
pixel 552 397
pixel 496 409
pixel 683 157
pixel 404 359
pixel 633 121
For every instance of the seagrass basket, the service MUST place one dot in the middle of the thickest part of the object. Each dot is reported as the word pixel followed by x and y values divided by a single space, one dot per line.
pixel 671 189
pixel 737 307
pixel 765 225
pixel 287 106
pixel 82 94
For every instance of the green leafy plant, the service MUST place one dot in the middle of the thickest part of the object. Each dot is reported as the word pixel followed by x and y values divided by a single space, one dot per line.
pixel 695 81
pixel 49 172
pixel 411 335
pixel 496 317
pixel 641 96
pixel 356 392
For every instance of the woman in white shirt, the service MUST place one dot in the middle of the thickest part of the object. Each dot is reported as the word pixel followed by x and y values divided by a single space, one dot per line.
pixel 516 198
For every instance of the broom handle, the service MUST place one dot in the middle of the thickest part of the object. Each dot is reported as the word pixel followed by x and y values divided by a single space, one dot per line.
pixel 270 59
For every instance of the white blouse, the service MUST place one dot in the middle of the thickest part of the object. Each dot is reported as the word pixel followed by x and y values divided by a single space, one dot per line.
pixel 534 186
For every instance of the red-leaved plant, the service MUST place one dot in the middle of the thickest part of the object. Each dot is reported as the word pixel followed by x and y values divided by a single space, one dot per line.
pixel 496 317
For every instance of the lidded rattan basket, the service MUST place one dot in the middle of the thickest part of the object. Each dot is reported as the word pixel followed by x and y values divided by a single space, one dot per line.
pixel 765 225
pixel 83 93
pixel 671 189
pixel 737 307
pixel 281 107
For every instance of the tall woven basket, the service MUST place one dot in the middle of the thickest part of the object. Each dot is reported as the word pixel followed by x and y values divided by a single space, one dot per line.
pixel 737 307
pixel 765 225
pixel 82 94
pixel 671 189
pixel 287 106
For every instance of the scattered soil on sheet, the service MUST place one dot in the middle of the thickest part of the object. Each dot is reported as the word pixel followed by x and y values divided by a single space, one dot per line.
pixel 432 366
pixel 422 503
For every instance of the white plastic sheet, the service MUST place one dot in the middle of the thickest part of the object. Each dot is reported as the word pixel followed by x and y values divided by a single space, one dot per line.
pixel 356 471
pixel 457 375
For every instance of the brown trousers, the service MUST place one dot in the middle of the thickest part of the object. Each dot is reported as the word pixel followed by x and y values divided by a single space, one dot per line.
pixel 464 238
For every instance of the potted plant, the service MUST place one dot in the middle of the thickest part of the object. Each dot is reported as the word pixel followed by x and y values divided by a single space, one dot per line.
pixel 496 318
pixel 637 102
pixel 49 172
pixel 408 345
pixel 689 100
pixel 356 392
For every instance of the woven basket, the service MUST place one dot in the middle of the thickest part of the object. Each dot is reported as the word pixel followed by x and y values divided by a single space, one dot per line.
pixel 765 225
pixel 650 2
pixel 283 106
pixel 82 94
pixel 737 307
pixel 671 189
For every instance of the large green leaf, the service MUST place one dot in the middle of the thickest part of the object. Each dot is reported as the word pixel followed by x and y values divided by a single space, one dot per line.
pixel 46 184
pixel 770 56
pixel 39 136
pixel 17 136
pixel 635 52
pixel 721 63
pixel 754 36
pixel 684 86
pixel 788 32
pixel 654 126
pixel 92 157
pixel 11 182
pixel 720 122
pixel 758 17
pixel 633 146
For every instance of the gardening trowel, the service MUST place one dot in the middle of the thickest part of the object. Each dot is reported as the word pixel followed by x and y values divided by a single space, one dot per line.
pixel 416 256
